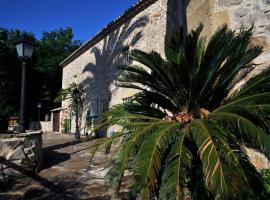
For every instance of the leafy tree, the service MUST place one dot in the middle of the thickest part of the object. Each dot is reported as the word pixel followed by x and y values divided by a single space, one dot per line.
pixel 44 73
pixel 76 103
pixel 51 49
pixel 183 133
pixel 68 94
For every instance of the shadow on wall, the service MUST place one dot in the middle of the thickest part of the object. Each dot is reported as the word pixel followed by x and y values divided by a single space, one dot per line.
pixel 104 71
pixel 177 15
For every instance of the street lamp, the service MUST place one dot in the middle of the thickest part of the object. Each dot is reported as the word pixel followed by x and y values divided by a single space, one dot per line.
pixel 77 97
pixel 25 48
pixel 39 107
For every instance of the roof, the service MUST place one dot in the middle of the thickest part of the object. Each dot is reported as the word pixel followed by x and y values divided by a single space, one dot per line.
pixel 58 109
pixel 115 24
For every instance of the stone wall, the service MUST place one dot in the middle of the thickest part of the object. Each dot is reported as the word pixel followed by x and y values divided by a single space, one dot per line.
pixel 45 126
pixel 19 153
pixel 235 13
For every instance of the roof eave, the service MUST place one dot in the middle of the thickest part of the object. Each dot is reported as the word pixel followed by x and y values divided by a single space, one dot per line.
pixel 131 12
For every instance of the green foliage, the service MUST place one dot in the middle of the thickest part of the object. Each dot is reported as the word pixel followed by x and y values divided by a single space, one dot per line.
pixel 184 132
pixel 44 73
pixel 67 124
pixel 266 179
pixel 176 165
pixel 69 95
pixel 51 49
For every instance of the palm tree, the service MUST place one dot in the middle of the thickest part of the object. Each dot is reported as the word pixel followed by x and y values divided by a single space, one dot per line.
pixel 185 130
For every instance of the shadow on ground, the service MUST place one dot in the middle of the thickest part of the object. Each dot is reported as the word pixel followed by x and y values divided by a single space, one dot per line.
pixel 37 187
pixel 52 157
pixel 55 181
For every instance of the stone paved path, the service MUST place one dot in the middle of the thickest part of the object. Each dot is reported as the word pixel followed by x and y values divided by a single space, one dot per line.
pixel 66 173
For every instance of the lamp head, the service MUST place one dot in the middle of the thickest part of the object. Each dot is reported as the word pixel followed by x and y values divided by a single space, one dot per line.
pixel 25 46
pixel 77 94
pixel 39 105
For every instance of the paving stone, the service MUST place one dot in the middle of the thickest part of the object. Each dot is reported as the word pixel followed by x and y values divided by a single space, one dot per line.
pixel 68 173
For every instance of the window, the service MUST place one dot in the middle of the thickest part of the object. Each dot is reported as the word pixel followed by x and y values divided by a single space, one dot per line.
pixel 154 105
pixel 94 108
pixel 104 105
pixel 127 100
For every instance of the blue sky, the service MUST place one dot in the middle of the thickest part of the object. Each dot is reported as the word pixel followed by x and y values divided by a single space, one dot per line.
pixel 86 17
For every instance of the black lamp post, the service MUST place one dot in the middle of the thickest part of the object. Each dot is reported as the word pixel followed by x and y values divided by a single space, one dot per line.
pixel 39 107
pixel 77 97
pixel 25 48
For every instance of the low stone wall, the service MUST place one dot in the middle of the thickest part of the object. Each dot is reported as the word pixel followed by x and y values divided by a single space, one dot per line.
pixel 45 126
pixel 20 153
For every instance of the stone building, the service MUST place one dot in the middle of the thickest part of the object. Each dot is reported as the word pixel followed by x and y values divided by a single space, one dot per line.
pixel 144 26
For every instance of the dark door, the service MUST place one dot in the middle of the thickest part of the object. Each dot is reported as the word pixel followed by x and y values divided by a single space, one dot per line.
pixel 56 121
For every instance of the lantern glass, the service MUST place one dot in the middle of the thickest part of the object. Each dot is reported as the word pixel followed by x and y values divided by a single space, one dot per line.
pixel 77 95
pixel 39 105
pixel 25 47
pixel 19 48
pixel 28 50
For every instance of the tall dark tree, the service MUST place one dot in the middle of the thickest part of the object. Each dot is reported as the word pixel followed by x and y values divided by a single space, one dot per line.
pixel 10 71
pixel 184 129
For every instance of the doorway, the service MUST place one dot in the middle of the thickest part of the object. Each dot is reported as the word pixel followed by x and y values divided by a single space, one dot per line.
pixel 56 121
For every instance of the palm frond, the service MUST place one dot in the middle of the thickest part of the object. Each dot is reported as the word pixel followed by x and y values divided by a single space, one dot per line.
pixel 247 131
pixel 123 155
pixel 225 66
pixel 155 63
pixel 158 99
pixel 101 143
pixel 217 171
pixel 175 170
pixel 149 159
pixel 254 99
pixel 145 110
pixel 258 84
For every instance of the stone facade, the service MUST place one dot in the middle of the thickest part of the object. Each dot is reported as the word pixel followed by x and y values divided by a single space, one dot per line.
pixel 96 68
pixel 20 152
pixel 235 13
pixel 94 64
